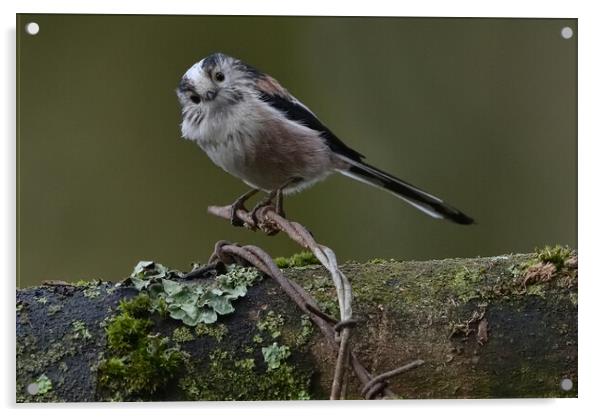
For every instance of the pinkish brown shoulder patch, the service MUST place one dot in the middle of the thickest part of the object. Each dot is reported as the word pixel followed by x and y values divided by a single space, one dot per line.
pixel 271 86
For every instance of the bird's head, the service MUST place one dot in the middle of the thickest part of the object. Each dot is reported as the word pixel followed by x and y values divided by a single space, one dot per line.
pixel 214 83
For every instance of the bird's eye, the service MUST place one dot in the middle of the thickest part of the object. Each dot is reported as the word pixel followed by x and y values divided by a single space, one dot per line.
pixel 219 77
pixel 195 99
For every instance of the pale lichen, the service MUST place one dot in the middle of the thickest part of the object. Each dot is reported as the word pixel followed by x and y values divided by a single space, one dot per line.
pixel 226 378
pixel 275 354
pixel 271 324
pixel 182 335
pixel 216 331
pixel 192 303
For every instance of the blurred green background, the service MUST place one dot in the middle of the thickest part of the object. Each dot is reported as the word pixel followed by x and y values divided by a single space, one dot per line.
pixel 481 112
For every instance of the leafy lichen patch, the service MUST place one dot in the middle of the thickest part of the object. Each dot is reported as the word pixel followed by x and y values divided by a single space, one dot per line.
pixel 42 300
pixel 305 332
pixel 54 308
pixel 275 354
pixel 322 289
pixel 192 303
pixel 80 330
pixel 91 292
pixel 216 331
pixel 55 344
pixel 401 306
pixel 271 324
pixel 127 369
pixel 182 335
pixel 227 378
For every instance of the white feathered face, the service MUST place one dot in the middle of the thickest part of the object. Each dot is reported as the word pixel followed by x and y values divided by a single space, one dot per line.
pixel 214 83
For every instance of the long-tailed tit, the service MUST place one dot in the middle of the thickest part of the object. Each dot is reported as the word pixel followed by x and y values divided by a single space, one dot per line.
pixel 253 128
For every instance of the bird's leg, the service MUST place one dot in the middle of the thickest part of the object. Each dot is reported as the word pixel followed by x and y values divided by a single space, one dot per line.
pixel 239 203
pixel 275 194
pixel 279 202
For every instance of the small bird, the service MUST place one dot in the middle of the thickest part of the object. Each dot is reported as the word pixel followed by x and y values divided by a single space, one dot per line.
pixel 254 129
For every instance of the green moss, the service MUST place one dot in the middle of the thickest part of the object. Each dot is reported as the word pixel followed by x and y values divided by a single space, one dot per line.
pixel 300 259
pixel 125 332
pixel 465 284
pixel 137 363
pixel 182 335
pixel 556 255
pixel 138 306
pixel 216 331
pixel 431 288
pixel 227 378
pixel 41 300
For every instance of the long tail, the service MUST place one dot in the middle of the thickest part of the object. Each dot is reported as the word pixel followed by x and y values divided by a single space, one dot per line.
pixel 423 201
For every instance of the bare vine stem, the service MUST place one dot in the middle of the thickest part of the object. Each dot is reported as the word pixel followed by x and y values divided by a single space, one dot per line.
pixel 338 334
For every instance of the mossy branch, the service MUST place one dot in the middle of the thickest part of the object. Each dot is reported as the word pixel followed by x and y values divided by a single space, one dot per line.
pixel 504 326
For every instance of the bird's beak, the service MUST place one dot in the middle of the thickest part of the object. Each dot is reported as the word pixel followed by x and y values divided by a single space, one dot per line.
pixel 210 95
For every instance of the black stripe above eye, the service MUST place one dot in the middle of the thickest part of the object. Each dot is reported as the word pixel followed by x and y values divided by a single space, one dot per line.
pixel 212 60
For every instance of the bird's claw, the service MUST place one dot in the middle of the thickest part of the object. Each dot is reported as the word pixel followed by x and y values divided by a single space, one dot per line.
pixel 239 204
pixel 261 221
pixel 257 208
pixel 235 220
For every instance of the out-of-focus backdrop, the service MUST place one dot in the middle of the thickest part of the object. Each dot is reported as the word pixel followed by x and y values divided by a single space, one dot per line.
pixel 481 112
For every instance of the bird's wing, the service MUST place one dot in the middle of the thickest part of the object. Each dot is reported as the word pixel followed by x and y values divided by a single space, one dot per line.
pixel 271 92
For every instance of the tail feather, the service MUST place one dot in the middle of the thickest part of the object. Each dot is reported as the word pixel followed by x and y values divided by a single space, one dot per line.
pixel 423 201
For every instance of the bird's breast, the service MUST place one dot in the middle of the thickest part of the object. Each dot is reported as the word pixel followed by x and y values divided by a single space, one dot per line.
pixel 264 150
pixel 229 147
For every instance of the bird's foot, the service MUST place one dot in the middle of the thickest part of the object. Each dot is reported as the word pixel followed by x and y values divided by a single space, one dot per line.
pixel 260 219
pixel 266 225
pixel 239 204
pixel 235 220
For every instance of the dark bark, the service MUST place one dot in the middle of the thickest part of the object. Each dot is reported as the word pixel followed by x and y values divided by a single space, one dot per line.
pixel 486 328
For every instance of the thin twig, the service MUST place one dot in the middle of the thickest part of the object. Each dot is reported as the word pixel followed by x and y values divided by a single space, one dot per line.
pixel 203 272
pixel 386 375
pixel 268 220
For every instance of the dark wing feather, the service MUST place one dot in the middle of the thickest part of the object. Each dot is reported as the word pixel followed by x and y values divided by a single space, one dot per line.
pixel 296 111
